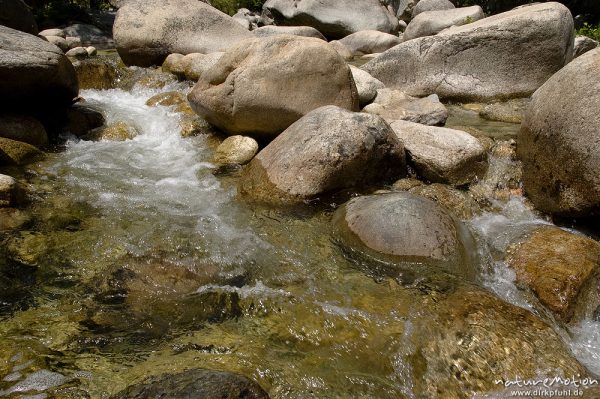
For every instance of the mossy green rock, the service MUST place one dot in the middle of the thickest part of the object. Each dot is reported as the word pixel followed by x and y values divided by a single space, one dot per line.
pixel 17 153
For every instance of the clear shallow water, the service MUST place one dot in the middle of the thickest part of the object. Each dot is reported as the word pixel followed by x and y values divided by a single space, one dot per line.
pixel 146 262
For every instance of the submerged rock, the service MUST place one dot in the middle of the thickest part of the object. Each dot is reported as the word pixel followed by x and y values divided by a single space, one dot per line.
pixel 510 111
pixel 370 41
pixel 81 119
pixel 17 153
pixel 327 150
pixel 333 18
pixel 394 105
pixel 97 73
pixel 442 155
pixel 457 202
pixel 23 128
pixel 404 229
pixel 261 87
pixel 429 23
pixel 468 339
pixel 167 99
pixel 118 131
pixel 236 150
pixel 147 31
pixel 507 55
pixel 195 383
pixel 559 141
pixel 556 265
pixel 33 72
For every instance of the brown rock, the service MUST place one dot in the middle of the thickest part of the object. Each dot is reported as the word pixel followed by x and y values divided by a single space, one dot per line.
pixel 17 153
pixel 555 264
pixel 23 128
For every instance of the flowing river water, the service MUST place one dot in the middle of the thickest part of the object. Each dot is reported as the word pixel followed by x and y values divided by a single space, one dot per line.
pixel 141 260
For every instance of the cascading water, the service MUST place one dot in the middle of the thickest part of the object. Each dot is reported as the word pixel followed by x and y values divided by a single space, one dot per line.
pixel 158 267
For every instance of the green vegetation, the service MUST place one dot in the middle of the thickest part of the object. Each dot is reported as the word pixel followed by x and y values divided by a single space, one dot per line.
pixel 590 31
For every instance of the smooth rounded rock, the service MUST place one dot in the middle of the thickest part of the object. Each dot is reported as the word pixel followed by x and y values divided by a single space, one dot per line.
pixel 442 155
pixel 508 55
pixel 59 42
pixel 77 53
pixel 329 149
pixel 236 150
pixel 17 153
pixel 431 5
pixel 393 105
pixel 33 72
pixel 429 23
pixel 262 86
pixel 147 31
pixel 23 128
pixel 559 141
pixel 370 41
pixel 556 265
pixel 366 85
pixel 305 31
pixel 333 18
pixel 402 228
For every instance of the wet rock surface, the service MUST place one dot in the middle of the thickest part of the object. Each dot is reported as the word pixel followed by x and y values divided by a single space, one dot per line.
pixel 556 265
pixel 196 384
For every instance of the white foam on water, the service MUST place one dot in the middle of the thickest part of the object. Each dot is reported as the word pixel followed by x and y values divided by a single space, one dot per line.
pixel 585 344
pixel 258 290
pixel 157 186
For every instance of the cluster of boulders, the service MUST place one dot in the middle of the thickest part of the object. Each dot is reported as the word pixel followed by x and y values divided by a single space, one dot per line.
pixel 70 45
pixel 308 125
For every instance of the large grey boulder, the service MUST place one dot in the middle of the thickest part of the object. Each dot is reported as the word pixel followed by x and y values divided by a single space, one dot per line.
pixel 504 56
pixel 15 14
pixel 370 41
pixel 34 72
pixel 335 19
pixel 559 141
pixel 393 105
pixel 442 155
pixel 366 85
pixel 328 149
pixel 147 31
pixel 263 85
pixel 305 31
pixel 429 23
pixel 431 5
pixel 401 227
